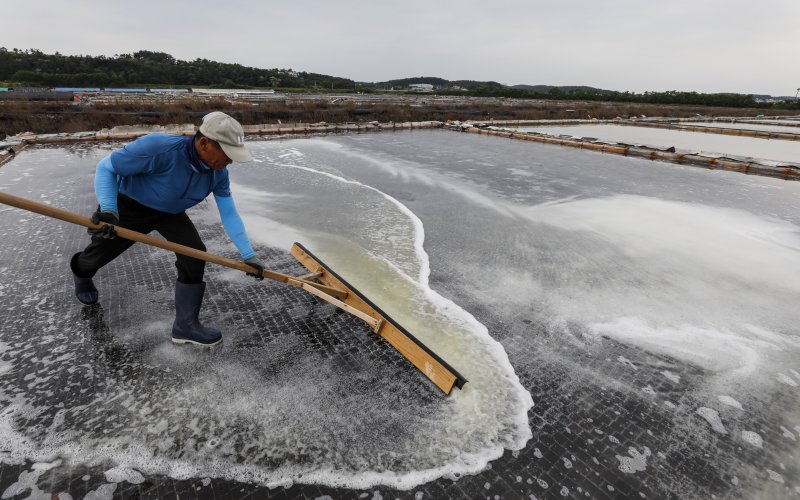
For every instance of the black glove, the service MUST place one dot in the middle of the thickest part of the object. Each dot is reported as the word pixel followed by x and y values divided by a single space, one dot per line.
pixel 259 268
pixel 110 218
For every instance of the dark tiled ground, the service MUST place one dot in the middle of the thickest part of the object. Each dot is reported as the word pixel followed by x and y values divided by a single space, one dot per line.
pixel 585 421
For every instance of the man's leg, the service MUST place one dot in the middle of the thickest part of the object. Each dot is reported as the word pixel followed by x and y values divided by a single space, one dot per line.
pixel 190 288
pixel 180 229
pixel 101 251
pixel 85 264
pixel 132 215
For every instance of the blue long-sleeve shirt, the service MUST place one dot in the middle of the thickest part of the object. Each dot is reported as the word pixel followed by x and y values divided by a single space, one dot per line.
pixel 164 172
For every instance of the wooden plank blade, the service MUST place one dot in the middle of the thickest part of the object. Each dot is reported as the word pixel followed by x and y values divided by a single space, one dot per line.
pixel 431 365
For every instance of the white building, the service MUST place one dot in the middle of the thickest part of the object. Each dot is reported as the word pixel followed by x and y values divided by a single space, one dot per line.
pixel 421 87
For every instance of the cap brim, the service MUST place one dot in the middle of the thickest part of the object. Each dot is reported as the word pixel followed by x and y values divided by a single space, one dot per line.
pixel 239 154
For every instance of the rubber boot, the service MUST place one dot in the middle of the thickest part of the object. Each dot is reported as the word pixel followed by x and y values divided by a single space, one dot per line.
pixel 187 328
pixel 84 287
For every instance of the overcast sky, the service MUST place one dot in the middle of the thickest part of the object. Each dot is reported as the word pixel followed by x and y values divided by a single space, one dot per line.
pixel 742 46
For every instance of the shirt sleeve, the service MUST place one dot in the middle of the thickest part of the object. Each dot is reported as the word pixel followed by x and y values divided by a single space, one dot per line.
pixel 233 225
pixel 105 185
pixel 222 186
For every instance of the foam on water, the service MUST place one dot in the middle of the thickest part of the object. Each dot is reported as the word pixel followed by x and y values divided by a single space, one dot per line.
pixel 406 171
pixel 26 482
pixel 788 434
pixel 753 439
pixel 699 288
pixel 688 280
pixel 417 230
pixel 775 476
pixel 712 417
pixel 671 376
pixel 123 474
pixel 306 420
pixel 635 462
pixel 786 379
pixel 103 492
pixel 699 283
pixel 396 277
pixel 728 400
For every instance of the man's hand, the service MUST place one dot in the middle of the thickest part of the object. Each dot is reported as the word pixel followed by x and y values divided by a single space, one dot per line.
pixel 258 267
pixel 110 218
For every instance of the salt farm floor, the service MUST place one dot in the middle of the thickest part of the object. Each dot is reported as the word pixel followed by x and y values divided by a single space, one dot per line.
pixel 606 422
pixel 686 141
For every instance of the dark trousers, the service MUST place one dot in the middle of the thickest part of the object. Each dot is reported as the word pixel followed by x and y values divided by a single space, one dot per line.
pixel 177 228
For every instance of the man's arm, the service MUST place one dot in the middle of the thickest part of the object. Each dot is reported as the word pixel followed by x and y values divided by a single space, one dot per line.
pixel 105 186
pixel 105 189
pixel 235 228
pixel 137 157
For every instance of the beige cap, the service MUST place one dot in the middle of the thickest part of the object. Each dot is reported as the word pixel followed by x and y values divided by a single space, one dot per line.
pixel 229 133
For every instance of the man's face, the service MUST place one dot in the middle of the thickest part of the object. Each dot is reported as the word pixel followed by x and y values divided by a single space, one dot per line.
pixel 211 154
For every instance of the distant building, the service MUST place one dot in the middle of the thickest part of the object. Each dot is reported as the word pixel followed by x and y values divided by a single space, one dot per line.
pixel 233 92
pixel 170 91
pixel 126 90
pixel 771 99
pixel 29 89
pixel 76 89
pixel 421 87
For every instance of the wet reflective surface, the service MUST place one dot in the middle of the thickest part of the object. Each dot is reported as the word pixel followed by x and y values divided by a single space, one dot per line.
pixel 648 309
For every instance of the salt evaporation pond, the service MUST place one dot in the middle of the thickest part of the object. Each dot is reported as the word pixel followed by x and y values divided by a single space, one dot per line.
pixel 748 126
pixel 634 300
pixel 684 141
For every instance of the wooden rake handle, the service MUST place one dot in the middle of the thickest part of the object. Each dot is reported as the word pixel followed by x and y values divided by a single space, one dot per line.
pixel 433 367
pixel 57 213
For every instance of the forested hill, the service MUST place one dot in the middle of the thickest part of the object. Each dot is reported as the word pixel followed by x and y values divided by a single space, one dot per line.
pixel 156 69
pixel 439 83
pixel 146 68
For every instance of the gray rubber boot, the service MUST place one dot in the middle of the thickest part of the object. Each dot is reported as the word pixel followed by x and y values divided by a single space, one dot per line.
pixel 187 328
pixel 84 287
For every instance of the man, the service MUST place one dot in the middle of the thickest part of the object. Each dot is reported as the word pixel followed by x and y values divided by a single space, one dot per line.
pixel 148 185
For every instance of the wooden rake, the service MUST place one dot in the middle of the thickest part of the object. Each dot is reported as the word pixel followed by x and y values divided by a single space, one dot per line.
pixel 320 281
